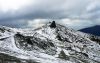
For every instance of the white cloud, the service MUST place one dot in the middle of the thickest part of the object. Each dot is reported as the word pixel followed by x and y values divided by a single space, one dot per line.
pixel 75 24
pixel 6 5
pixel 36 23
pixel 94 5
pixel 73 13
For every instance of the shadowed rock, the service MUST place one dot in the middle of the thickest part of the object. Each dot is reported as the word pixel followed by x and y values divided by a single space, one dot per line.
pixel 53 24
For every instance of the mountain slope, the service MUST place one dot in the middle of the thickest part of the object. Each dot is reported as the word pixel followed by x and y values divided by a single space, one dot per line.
pixel 51 43
pixel 95 30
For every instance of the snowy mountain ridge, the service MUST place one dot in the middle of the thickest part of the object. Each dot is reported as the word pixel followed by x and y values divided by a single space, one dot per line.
pixel 51 43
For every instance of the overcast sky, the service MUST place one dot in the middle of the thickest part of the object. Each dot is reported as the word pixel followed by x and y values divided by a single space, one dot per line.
pixel 76 14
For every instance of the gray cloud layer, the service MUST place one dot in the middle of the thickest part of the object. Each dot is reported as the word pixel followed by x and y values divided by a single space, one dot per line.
pixel 74 13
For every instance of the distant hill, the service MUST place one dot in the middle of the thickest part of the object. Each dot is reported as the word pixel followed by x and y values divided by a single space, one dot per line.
pixel 95 30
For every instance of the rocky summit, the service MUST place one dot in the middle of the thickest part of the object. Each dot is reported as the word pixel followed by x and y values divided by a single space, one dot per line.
pixel 51 43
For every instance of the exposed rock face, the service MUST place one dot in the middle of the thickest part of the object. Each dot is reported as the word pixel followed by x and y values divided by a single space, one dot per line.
pixel 51 43
pixel 53 24
pixel 34 43
pixel 4 58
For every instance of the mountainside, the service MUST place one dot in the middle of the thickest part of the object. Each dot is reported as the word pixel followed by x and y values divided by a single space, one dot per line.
pixel 51 43
pixel 95 30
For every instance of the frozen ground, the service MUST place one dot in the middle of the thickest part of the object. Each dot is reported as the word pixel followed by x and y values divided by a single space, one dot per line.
pixel 47 44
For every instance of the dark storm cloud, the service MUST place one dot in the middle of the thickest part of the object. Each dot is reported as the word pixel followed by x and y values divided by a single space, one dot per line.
pixel 77 10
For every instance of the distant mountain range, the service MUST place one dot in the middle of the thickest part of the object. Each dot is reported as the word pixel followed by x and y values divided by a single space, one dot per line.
pixel 95 30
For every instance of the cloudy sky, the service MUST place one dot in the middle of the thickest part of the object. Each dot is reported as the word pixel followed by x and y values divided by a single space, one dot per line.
pixel 76 14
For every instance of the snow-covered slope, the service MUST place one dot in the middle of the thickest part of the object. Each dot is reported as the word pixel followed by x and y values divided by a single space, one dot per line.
pixel 51 43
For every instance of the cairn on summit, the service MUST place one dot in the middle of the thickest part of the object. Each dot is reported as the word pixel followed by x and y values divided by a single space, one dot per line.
pixel 53 24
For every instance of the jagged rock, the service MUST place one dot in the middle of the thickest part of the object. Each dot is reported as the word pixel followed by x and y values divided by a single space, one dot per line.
pixel 62 55
pixel 45 45
pixel 53 24
pixel 59 37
